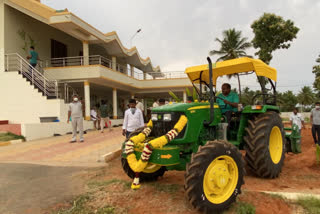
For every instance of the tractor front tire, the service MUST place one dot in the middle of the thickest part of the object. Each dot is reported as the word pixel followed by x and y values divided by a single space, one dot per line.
pixel 150 173
pixel 265 145
pixel 214 176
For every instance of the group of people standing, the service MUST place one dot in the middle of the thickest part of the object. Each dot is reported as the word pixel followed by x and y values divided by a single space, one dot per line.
pixel 75 115
pixel 100 116
pixel 296 118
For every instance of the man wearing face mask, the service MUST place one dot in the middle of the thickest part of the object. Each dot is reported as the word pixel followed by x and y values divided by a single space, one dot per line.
pixel 315 121
pixel 133 119
pixel 75 112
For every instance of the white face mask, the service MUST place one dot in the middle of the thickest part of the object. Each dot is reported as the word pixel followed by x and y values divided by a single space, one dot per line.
pixel 317 107
pixel 75 99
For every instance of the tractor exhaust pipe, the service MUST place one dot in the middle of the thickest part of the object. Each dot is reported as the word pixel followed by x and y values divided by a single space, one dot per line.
pixel 211 94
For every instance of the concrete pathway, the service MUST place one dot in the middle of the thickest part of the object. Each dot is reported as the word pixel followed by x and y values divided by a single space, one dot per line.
pixel 57 151
pixel 38 174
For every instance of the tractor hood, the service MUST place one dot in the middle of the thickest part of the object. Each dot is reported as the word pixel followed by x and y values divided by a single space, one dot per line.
pixel 182 107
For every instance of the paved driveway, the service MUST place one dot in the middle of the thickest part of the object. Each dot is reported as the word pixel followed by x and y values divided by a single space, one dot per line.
pixel 38 174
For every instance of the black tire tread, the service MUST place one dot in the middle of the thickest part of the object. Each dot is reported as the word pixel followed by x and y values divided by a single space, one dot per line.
pixel 257 153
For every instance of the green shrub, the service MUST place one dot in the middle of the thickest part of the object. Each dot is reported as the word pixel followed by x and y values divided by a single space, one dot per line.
pixel 245 208
pixel 310 204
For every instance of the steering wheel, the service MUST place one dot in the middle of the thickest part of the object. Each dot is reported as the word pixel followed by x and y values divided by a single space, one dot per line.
pixel 219 98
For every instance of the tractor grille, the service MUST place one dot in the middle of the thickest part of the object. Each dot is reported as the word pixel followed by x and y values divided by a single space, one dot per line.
pixel 161 127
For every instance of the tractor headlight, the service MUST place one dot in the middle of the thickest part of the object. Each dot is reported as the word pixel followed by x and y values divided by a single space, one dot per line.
pixel 154 117
pixel 167 117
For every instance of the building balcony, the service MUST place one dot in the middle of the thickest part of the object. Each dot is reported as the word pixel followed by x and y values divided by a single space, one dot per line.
pixel 101 70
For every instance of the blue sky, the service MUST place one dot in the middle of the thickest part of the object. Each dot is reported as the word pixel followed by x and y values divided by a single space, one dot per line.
pixel 177 34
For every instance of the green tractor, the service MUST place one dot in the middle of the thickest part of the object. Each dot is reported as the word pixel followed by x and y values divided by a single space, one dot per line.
pixel 196 137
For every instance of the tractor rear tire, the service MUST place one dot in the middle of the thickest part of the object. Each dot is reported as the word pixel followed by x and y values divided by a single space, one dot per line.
pixel 214 176
pixel 152 171
pixel 265 145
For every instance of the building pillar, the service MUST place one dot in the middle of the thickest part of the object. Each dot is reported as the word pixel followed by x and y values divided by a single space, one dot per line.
pixel 184 96
pixel 2 58
pixel 115 103
pixel 132 70
pixel 127 70
pixel 114 63
pixel 85 50
pixel 144 75
pixel 87 100
pixel 145 106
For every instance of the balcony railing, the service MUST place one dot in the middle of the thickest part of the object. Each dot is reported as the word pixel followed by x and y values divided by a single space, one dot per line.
pixel 100 60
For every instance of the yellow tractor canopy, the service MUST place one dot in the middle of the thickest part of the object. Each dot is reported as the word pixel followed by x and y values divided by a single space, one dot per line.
pixel 233 66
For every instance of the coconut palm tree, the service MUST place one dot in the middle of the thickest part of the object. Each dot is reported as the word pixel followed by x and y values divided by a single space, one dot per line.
pixel 305 96
pixel 232 45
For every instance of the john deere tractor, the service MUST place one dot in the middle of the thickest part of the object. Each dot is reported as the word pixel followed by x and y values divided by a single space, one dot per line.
pixel 196 137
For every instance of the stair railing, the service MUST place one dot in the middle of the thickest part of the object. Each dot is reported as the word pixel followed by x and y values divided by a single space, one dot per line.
pixel 14 62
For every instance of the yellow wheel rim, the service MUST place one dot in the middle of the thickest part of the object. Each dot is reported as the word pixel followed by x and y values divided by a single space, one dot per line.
pixel 275 145
pixel 220 179
pixel 151 168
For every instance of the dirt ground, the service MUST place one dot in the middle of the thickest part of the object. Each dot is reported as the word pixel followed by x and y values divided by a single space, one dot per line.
pixel 111 187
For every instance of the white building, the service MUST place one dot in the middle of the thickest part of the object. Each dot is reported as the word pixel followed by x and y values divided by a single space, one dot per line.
pixel 75 58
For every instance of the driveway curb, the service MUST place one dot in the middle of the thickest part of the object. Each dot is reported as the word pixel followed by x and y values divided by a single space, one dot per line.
pixel 7 143
pixel 111 155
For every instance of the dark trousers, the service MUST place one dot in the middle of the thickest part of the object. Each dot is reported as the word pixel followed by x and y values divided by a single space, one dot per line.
pixel 30 70
pixel 316 133
pixel 228 115
pixel 127 134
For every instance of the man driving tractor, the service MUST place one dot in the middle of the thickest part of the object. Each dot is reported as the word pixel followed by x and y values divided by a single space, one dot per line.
pixel 228 101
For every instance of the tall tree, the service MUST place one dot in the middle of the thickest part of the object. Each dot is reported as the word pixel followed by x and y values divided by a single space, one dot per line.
pixel 316 71
pixel 232 45
pixel 287 101
pixel 272 32
pixel 246 96
pixel 305 96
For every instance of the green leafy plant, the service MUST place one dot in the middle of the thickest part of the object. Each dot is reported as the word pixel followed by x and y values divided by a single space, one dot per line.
pixel 175 97
pixel 27 40
pixel 10 136
pixel 245 208
pixel 195 95
pixel 310 204
pixel 188 92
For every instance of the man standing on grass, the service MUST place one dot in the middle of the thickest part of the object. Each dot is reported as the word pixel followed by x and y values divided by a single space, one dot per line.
pixel 75 112
pixel 296 118
pixel 315 122
pixel 133 119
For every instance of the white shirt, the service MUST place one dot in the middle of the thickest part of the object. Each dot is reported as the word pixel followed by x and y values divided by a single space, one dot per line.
pixel 296 119
pixel 133 121
pixel 76 109
pixel 93 114
pixel 155 104
pixel 140 106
